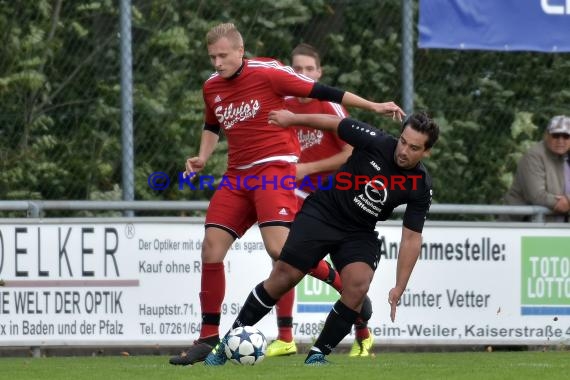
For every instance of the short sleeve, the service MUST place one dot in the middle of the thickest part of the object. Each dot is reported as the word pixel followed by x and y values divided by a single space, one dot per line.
pixel 359 134
pixel 417 209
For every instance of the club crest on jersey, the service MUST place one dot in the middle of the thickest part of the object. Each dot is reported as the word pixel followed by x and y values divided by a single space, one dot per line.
pixel 231 114
pixel 376 192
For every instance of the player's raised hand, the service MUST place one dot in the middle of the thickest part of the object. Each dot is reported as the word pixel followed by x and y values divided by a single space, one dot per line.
pixel 282 118
pixel 389 109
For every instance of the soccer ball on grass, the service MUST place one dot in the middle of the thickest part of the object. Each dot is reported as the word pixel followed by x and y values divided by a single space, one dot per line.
pixel 245 345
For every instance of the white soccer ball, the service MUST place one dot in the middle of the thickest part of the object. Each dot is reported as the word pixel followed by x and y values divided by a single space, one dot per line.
pixel 246 345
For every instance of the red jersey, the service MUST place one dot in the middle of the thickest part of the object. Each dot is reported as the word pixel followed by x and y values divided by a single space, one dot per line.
pixel 241 105
pixel 316 144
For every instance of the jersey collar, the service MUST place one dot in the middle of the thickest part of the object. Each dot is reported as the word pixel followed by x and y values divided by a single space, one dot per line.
pixel 239 71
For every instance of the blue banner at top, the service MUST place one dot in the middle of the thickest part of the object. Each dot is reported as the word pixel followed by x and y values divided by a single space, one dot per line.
pixel 507 25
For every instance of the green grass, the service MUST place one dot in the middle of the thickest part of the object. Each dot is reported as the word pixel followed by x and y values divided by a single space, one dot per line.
pixel 385 366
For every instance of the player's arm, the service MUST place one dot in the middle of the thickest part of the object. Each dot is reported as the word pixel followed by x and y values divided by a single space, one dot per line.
pixel 410 247
pixel 354 132
pixel 348 99
pixel 208 141
pixel 326 164
pixel 331 163
pixel 285 118
pixel 414 218
pixel 286 82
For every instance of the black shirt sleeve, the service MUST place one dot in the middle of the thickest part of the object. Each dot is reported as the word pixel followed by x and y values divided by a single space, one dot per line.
pixel 215 128
pixel 323 92
pixel 359 134
pixel 417 209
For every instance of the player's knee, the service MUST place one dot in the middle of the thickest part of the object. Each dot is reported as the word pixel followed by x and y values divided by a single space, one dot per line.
pixel 285 276
pixel 353 294
pixel 213 251
pixel 273 251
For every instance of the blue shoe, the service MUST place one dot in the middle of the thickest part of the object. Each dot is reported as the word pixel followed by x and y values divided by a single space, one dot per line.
pixel 218 355
pixel 316 359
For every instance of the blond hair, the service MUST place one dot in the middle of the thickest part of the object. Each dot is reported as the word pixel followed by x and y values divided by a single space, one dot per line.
pixel 227 30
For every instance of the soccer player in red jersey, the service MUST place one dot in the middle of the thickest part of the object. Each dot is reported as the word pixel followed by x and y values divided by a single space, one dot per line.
pixel 322 153
pixel 238 98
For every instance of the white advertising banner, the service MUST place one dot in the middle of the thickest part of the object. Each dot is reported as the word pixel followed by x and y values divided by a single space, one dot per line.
pixel 137 282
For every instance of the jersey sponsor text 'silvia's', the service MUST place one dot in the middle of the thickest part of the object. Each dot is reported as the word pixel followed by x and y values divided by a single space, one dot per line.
pixel 241 106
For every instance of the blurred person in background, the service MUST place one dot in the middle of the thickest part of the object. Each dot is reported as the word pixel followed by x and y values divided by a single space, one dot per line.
pixel 543 173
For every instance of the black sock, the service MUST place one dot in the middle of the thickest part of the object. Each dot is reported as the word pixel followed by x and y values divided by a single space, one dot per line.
pixel 284 321
pixel 256 306
pixel 360 323
pixel 337 326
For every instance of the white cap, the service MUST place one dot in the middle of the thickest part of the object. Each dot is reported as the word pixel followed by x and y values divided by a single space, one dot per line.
pixel 559 124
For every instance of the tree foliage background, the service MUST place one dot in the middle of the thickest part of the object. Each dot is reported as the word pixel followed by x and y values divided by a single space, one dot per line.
pixel 60 131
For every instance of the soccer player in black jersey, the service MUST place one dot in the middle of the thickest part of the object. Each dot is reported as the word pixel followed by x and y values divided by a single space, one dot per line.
pixel 382 173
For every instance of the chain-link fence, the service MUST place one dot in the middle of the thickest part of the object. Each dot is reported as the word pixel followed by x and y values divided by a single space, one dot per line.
pixel 60 115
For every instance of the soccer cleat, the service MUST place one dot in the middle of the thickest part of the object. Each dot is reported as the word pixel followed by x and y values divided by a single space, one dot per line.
pixel 362 348
pixel 281 348
pixel 316 359
pixel 193 354
pixel 356 348
pixel 367 345
pixel 218 355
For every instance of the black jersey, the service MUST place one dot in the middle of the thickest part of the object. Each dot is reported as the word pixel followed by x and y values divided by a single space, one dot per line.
pixel 368 187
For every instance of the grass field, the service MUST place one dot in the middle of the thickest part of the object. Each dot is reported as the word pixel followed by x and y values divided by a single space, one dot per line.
pixel 456 365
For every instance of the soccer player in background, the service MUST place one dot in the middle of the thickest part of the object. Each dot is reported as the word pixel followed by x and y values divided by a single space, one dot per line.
pixel 238 98
pixel 342 220
pixel 322 153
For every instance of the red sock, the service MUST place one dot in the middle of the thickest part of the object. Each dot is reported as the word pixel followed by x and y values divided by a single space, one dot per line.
pixel 284 308
pixel 361 329
pixel 211 298
pixel 324 272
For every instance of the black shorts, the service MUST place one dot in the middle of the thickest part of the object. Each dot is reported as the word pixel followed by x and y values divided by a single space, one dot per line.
pixel 310 240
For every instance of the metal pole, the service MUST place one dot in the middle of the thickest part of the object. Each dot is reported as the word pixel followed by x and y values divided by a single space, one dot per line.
pixel 407 56
pixel 33 210
pixel 127 104
pixel 36 352
pixel 538 217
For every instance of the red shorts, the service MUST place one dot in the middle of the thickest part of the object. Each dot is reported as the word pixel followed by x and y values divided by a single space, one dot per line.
pixel 262 194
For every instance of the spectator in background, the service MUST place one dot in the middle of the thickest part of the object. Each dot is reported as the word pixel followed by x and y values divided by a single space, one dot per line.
pixel 543 173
